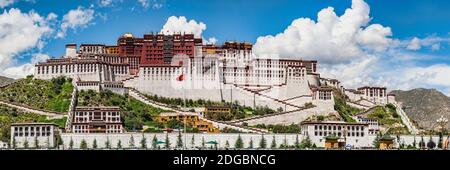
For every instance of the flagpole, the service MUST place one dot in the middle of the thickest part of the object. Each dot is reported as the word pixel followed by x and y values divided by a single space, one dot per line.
pixel 184 96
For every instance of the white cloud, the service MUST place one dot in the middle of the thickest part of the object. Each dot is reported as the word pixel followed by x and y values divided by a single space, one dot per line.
pixel 332 39
pixel 23 70
pixel 433 42
pixel 414 44
pixel 436 47
pixel 52 16
pixel 391 72
pixel 182 25
pixel 19 32
pixel 76 18
pixel 358 53
pixel 144 3
pixel 155 4
pixel 19 71
pixel 211 40
pixel 105 3
pixel 5 3
pixel 39 57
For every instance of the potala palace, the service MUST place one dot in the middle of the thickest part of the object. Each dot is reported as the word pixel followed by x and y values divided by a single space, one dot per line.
pixel 181 66
pixel 230 72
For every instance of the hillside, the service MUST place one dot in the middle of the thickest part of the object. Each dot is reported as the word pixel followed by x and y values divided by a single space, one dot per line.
pixel 424 106
pixel 10 115
pixel 5 80
pixel 388 118
pixel 340 105
pixel 135 113
pixel 51 95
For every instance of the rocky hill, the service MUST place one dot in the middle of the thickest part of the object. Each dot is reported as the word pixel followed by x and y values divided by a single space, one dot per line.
pixel 5 80
pixel 424 106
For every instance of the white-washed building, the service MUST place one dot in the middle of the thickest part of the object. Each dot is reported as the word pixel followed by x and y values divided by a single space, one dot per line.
pixel 97 120
pixel 23 134
pixel 353 134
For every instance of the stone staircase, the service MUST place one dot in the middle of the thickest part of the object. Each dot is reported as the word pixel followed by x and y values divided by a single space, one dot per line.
pixel 73 104
pixel 405 119
pixel 264 116
pixel 137 95
pixel 269 97
pixel 26 108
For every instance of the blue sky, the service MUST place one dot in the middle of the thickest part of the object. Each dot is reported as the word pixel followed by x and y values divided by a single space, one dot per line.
pixel 243 20
pixel 246 20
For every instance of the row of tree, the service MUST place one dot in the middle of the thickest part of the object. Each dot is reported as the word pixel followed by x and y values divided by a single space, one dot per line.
pixel 166 144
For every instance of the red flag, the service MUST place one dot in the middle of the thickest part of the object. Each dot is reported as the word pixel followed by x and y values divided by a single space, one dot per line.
pixel 180 77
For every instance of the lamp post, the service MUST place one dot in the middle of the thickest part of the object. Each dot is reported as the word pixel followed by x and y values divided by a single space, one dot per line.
pixel 442 123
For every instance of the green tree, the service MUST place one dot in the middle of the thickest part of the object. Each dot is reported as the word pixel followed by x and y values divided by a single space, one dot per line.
pixel 143 142
pixel 179 140
pixel 59 141
pixel 239 144
pixel 71 143
pixel 422 143
pixel 119 144
pixel 376 141
pixel 285 143
pixel 203 142
pixel 192 142
pixel 107 143
pixel 250 144
pixel 94 144
pixel 83 144
pixel 47 143
pixel 131 142
pixel 262 142
pixel 227 144
pixel 167 142
pixel 14 143
pixel 25 144
pixel 297 142
pixel 306 142
pixel 274 143
pixel 440 141
pixel 154 142
pixel 36 142
pixel 431 144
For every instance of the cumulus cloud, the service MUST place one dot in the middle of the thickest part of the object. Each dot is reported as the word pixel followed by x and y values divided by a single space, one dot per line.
pixel 20 32
pixel 330 39
pixel 358 53
pixel 105 3
pixel 5 3
pixel 182 25
pixel 414 44
pixel 155 4
pixel 436 47
pixel 211 40
pixel 433 42
pixel 75 19
pixel 39 57
pixel 395 70
pixel 144 3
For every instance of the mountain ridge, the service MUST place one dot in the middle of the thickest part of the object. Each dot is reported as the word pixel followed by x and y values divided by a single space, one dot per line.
pixel 424 106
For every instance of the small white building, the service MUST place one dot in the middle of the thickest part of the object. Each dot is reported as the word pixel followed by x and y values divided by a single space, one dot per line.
pixel 97 120
pixel 374 127
pixel 376 95
pixel 30 133
pixel 353 134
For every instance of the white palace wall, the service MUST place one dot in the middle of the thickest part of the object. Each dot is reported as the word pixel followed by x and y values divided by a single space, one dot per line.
pixel 220 138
